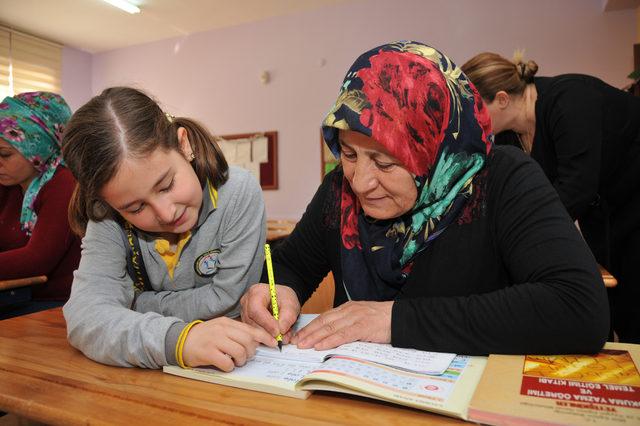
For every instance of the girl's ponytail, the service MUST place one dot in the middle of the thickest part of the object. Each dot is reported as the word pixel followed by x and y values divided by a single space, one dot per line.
pixel 77 212
pixel 209 162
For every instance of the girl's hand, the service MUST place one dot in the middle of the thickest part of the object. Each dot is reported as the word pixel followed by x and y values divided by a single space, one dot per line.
pixel 256 309
pixel 223 343
pixel 353 321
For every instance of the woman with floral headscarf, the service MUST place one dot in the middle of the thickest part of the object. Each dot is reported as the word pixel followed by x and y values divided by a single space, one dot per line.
pixel 35 188
pixel 437 240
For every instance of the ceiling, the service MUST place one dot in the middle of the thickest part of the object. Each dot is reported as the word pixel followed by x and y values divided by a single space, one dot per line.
pixel 95 26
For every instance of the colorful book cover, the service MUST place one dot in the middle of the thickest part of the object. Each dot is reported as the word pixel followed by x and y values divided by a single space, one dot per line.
pixel 561 389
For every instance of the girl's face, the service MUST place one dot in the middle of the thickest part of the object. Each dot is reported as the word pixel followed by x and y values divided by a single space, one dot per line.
pixel 15 169
pixel 158 193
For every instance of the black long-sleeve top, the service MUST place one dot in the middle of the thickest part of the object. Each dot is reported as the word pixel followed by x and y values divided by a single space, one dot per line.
pixel 512 275
pixel 587 140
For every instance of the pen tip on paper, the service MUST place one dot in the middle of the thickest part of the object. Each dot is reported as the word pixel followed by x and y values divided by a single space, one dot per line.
pixel 280 346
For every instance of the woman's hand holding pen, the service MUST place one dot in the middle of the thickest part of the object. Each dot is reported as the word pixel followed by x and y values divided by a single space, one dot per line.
pixel 223 343
pixel 256 309
pixel 352 321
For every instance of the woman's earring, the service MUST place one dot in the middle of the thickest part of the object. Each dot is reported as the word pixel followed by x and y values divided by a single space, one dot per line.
pixel 192 157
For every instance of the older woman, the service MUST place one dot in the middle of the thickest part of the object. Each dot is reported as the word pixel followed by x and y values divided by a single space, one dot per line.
pixel 585 135
pixel 35 189
pixel 436 239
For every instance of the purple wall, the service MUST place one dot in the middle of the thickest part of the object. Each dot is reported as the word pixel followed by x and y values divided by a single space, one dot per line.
pixel 214 76
pixel 76 77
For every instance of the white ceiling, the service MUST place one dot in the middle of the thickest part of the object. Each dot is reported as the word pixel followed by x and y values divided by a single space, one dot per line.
pixel 95 26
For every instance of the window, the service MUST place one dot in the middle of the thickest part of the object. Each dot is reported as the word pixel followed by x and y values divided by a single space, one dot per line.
pixel 4 63
pixel 28 64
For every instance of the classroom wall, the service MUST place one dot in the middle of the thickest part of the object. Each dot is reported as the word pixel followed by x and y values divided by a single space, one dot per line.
pixel 214 76
pixel 638 24
pixel 76 77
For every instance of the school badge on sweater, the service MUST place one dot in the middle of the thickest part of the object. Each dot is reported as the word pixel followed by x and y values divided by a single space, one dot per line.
pixel 207 263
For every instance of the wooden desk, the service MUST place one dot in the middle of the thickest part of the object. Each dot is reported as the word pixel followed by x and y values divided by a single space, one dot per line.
pixel 322 299
pixel 277 229
pixel 609 280
pixel 22 282
pixel 44 379
pixel 13 293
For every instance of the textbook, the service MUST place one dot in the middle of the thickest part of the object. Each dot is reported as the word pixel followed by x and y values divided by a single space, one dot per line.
pixel 365 369
pixel 601 389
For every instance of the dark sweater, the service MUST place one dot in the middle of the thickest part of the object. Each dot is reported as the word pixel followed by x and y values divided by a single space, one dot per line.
pixel 587 141
pixel 53 250
pixel 512 275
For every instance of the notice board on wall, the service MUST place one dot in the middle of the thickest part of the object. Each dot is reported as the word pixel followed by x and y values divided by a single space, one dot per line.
pixel 256 152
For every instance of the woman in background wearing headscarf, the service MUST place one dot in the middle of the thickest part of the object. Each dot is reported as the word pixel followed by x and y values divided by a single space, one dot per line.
pixel 585 135
pixel 35 188
pixel 437 240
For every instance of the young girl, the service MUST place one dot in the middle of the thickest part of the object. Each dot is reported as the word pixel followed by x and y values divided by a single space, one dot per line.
pixel 172 237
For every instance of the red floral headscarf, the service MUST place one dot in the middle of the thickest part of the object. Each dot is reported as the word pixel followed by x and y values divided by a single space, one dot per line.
pixel 419 105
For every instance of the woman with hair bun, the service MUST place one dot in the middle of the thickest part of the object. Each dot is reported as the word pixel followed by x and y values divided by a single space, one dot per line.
pixel 586 136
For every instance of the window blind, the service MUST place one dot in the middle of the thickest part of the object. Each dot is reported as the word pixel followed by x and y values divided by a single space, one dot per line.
pixel 5 90
pixel 28 63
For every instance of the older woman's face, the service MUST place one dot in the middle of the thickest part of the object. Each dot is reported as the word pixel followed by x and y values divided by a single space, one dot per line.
pixel 14 168
pixel 383 186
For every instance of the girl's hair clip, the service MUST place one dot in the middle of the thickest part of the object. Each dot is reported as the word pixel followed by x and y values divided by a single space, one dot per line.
pixel 169 117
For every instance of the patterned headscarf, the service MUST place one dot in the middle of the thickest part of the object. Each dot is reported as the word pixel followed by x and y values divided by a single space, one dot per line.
pixel 419 105
pixel 33 123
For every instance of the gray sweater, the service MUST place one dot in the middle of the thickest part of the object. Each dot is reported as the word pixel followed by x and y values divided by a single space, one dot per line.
pixel 223 257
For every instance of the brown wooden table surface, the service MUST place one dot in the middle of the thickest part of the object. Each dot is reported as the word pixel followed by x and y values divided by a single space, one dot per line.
pixel 22 282
pixel 277 229
pixel 43 378
pixel 609 280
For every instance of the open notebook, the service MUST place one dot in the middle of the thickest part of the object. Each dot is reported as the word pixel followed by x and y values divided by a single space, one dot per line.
pixel 434 363
pixel 365 369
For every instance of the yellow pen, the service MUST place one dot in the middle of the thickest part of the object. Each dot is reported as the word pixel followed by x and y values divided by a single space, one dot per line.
pixel 272 289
